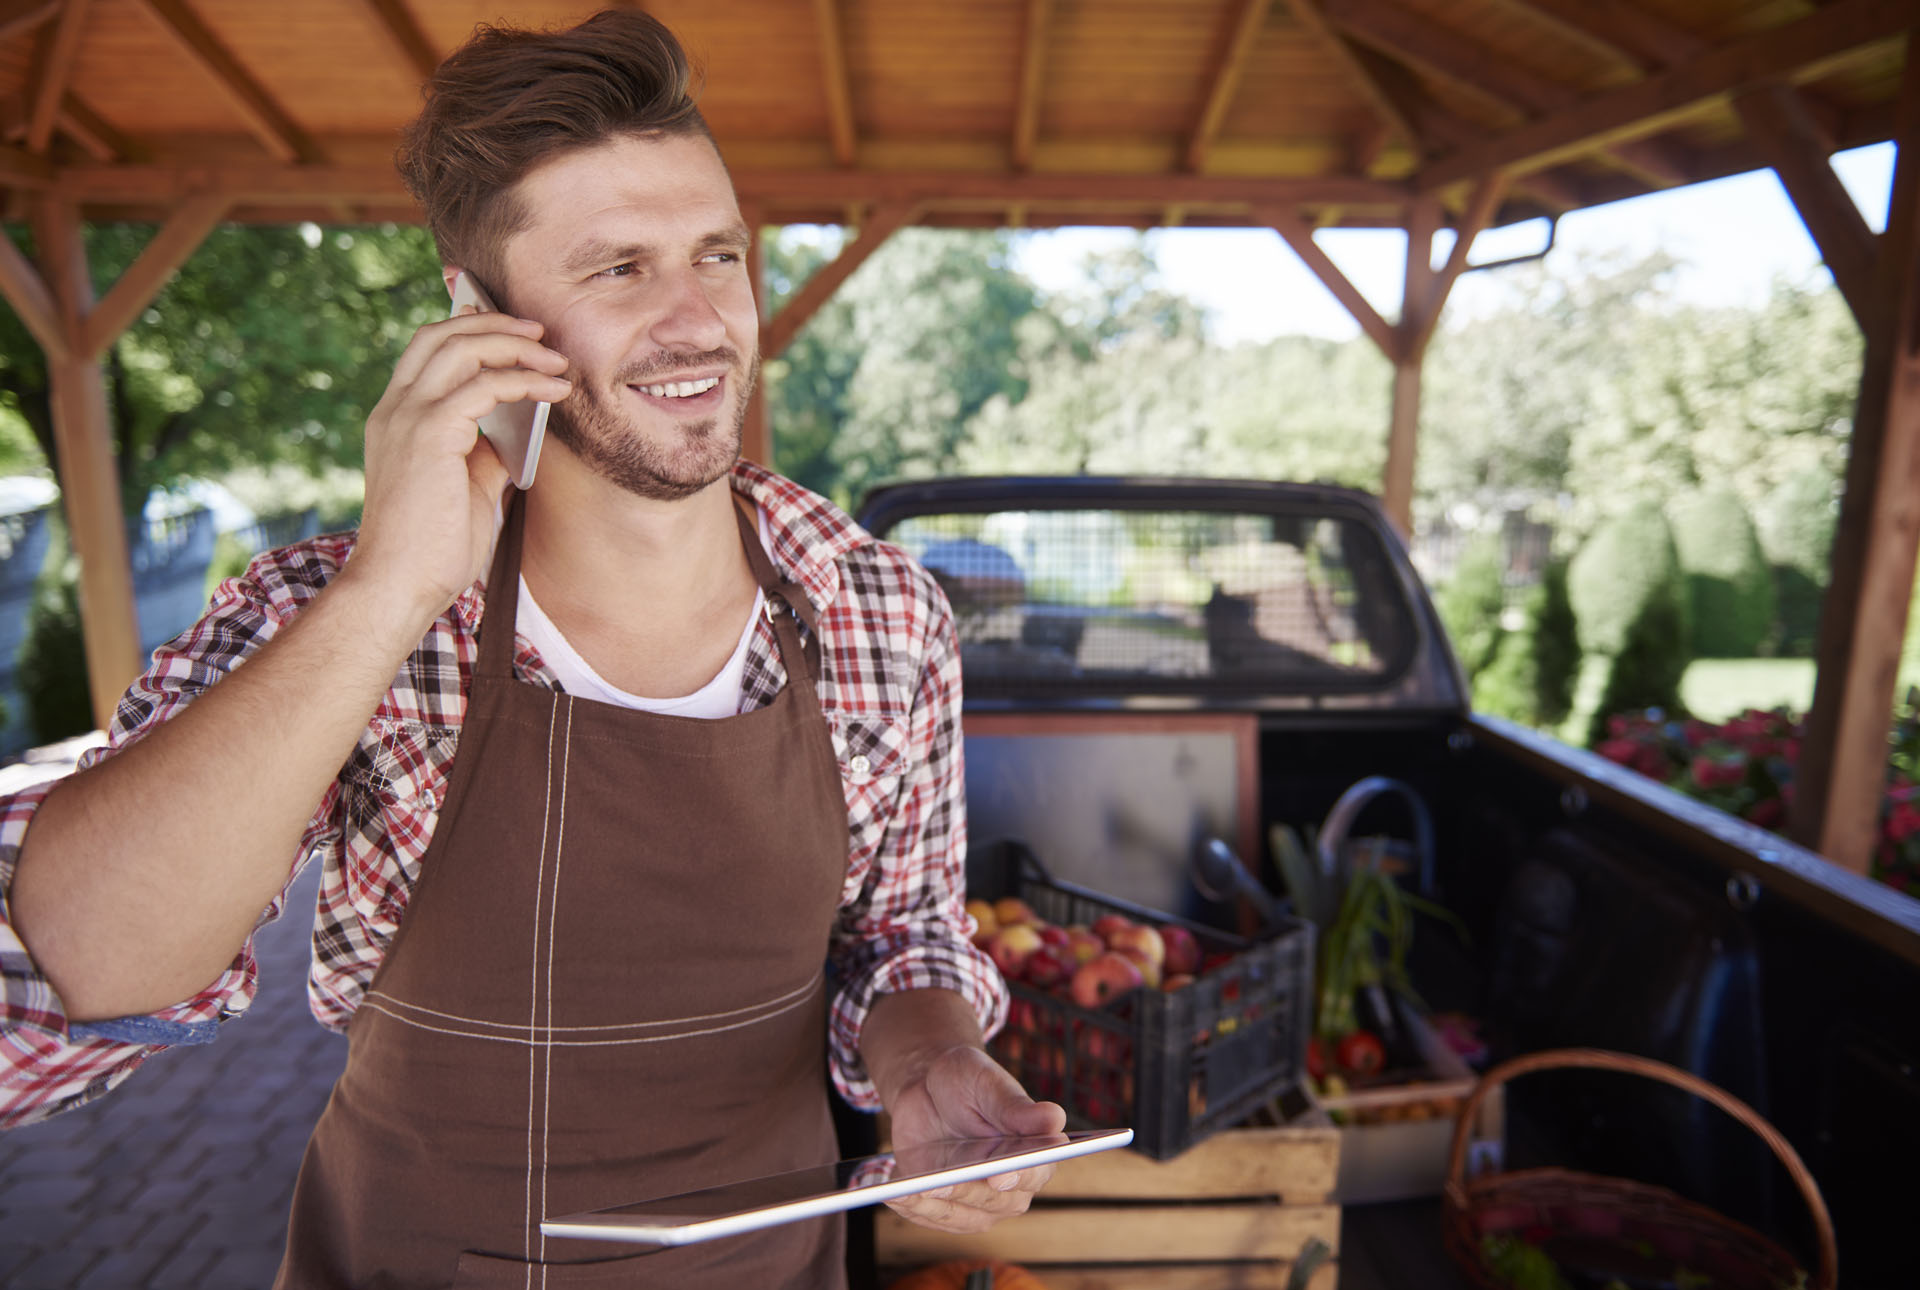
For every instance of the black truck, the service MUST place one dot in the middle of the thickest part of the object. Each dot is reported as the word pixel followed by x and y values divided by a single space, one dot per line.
pixel 1600 909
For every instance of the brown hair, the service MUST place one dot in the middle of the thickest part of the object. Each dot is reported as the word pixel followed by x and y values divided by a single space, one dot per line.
pixel 510 99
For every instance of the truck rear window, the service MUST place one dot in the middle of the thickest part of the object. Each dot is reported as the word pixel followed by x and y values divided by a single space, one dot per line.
pixel 1123 601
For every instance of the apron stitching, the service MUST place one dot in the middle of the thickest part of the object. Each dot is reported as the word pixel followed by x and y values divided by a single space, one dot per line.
pixel 396 1001
pixel 553 917
pixel 597 1043
pixel 533 1003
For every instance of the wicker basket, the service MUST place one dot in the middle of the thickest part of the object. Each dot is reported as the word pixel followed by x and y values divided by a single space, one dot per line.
pixel 1620 1212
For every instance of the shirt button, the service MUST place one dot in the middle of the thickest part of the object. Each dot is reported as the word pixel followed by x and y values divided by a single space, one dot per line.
pixel 859 764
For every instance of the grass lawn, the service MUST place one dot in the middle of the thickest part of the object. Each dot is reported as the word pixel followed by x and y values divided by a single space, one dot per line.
pixel 1715 689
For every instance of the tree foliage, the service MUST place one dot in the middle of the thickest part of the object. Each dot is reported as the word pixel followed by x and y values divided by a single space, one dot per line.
pixel 1729 586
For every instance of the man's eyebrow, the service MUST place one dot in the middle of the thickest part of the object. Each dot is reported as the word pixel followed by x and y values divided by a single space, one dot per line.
pixel 598 253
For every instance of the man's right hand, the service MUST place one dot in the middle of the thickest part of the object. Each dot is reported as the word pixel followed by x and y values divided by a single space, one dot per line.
pixel 433 481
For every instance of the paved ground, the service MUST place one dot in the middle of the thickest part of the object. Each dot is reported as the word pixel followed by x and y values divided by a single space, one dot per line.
pixel 183 1176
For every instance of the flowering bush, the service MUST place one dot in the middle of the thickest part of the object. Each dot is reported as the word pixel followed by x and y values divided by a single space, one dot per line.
pixel 1746 767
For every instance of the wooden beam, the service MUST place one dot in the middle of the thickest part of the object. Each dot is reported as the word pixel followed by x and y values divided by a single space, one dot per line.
pixel 89 486
pixel 97 136
pixel 262 114
pixel 407 35
pixel 27 292
pixel 17 16
pixel 170 248
pixel 1224 82
pixel 1794 146
pixel 778 332
pixel 1403 434
pixel 1423 221
pixel 22 169
pixel 1033 81
pixel 1617 29
pixel 1442 51
pixel 1841 775
pixel 1298 236
pixel 1648 106
pixel 1362 70
pixel 53 74
pixel 1480 211
pixel 833 70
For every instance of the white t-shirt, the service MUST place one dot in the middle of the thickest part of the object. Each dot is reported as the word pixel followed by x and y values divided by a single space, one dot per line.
pixel 718 698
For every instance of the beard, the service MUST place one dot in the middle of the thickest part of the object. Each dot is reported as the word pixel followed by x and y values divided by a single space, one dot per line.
pixel 690 454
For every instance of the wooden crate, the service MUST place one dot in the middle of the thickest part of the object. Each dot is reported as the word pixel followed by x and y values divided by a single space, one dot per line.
pixel 1231 1214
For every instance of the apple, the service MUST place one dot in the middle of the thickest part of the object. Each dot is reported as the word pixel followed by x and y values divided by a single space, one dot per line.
pixel 1138 938
pixel 1012 909
pixel 1107 924
pixel 1149 970
pixel 1083 944
pixel 1177 981
pixel 1105 978
pixel 1010 947
pixel 1045 968
pixel 1056 938
pixel 1183 951
pixel 985 923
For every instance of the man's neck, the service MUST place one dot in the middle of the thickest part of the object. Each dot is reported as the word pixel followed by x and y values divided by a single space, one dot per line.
pixel 653 594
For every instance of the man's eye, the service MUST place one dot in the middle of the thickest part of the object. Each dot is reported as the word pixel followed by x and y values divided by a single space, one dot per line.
pixel 720 257
pixel 619 271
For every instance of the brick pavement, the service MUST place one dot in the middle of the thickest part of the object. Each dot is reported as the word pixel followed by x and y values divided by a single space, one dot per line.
pixel 182 1177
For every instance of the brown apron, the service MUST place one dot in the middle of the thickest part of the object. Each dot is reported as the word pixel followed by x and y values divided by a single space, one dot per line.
pixel 608 986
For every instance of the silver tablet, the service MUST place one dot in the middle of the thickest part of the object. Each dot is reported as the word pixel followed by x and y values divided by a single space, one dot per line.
pixel 747 1206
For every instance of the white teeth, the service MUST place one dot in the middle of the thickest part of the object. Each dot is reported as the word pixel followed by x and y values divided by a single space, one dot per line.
pixel 681 389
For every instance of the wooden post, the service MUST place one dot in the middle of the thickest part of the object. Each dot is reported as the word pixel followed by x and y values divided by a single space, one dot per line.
pixel 1863 619
pixel 89 483
pixel 1403 434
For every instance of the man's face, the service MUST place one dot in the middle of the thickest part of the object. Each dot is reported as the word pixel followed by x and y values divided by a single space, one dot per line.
pixel 635 259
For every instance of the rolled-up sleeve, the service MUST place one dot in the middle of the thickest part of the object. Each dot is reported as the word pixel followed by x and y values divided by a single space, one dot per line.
pixel 49 1064
pixel 909 929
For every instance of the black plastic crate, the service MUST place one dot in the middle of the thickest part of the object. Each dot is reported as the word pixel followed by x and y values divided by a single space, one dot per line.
pixel 1175 1066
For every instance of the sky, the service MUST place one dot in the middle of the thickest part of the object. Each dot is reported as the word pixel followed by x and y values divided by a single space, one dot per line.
pixel 1733 237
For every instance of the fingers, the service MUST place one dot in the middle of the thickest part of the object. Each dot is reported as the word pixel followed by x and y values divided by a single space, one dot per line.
pixel 433 338
pixel 974 1206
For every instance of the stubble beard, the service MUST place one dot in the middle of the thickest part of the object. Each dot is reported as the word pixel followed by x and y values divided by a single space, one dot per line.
pixel 693 454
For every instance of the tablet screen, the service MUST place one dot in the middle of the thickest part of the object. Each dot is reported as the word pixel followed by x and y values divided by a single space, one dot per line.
pixel 825 1189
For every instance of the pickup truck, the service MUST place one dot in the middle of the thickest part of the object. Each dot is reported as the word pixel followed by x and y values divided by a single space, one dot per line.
pixel 1600 908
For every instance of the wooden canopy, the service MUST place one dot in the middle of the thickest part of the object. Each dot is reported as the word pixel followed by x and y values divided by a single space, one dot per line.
pixel 1286 114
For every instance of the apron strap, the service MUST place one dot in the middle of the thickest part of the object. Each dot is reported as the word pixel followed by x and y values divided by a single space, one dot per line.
pixel 502 605
pixel 780 593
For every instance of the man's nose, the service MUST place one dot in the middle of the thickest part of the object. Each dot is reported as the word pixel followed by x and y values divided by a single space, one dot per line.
pixel 691 320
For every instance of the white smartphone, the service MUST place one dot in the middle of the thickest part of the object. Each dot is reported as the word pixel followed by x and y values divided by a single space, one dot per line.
pixel 516 430
pixel 756 1203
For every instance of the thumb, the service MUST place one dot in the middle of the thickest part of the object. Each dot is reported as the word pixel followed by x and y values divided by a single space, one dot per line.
pixel 1034 1119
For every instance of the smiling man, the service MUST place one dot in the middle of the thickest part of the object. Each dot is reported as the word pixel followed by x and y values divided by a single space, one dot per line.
pixel 638 794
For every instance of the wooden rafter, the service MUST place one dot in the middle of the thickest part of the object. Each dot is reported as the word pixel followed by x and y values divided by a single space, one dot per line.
pixel 1648 106
pixel 1300 237
pixel 1361 69
pixel 56 69
pixel 1421 42
pixel 1794 146
pixel 263 115
pixel 177 239
pixel 27 292
pixel 404 30
pixel 1618 30
pixel 833 71
pixel 22 169
pixel 1033 81
pixel 1224 80
pixel 778 332
pixel 18 16
pixel 97 137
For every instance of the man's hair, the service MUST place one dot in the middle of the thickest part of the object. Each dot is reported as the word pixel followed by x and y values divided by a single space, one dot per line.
pixel 510 99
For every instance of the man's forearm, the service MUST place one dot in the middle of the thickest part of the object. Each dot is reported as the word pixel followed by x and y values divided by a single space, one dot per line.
pixel 905 1032
pixel 140 879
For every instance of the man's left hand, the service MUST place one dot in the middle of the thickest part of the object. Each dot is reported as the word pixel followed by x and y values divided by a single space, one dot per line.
pixel 966 1094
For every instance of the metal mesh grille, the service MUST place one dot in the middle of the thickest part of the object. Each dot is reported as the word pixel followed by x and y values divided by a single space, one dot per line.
pixel 1151 601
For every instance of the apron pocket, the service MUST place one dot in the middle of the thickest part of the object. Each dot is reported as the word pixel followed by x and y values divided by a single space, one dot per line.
pixel 490 1272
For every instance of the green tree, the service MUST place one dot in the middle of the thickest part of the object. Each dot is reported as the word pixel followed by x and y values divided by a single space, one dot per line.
pixel 1795 521
pixel 1629 601
pixel 271 344
pixel 1471 602
pixel 1729 585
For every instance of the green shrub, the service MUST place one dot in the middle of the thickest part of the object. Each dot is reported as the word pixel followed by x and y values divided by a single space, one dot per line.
pixel 1629 604
pixel 1795 524
pixel 1730 589
pixel 1531 676
pixel 53 659
pixel 1471 602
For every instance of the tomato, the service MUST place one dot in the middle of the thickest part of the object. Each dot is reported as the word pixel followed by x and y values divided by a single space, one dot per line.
pixel 1360 1053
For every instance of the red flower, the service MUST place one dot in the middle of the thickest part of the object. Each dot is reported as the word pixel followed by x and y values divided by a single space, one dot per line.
pixel 1618 750
pixel 1768 812
pixel 1903 822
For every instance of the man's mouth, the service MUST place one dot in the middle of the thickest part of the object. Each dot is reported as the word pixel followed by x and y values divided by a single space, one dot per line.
pixel 679 389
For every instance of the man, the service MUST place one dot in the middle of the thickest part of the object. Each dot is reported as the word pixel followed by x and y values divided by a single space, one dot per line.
pixel 581 961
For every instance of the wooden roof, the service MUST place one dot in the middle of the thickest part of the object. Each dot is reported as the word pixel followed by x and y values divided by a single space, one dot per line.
pixel 982 112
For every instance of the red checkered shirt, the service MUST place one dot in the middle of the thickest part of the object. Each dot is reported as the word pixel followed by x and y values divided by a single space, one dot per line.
pixel 890 691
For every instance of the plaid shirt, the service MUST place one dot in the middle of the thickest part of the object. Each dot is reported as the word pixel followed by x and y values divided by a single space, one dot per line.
pixel 890 691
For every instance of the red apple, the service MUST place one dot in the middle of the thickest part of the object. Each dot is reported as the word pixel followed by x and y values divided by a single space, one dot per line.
pixel 1107 924
pixel 1045 968
pixel 1010 947
pixel 1105 978
pixel 1083 944
pixel 985 923
pixel 1177 981
pixel 1183 951
pixel 1149 970
pixel 1140 939
pixel 1056 938
pixel 1012 909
